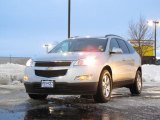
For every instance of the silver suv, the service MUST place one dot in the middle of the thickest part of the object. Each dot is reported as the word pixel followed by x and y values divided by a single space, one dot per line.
pixel 85 66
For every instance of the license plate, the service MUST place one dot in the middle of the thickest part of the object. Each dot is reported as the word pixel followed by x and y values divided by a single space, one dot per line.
pixel 47 84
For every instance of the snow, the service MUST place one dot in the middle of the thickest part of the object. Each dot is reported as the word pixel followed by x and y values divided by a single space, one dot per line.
pixel 13 73
pixel 151 73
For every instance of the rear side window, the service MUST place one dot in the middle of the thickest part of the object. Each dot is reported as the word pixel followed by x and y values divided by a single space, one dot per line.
pixel 123 46
pixel 113 43
pixel 131 49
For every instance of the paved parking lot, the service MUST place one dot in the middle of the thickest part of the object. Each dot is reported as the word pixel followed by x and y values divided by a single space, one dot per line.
pixel 15 104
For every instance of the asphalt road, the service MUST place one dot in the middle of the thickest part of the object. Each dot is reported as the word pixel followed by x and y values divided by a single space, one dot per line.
pixel 15 105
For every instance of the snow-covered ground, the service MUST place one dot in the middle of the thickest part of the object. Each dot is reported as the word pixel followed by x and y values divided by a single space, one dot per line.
pixel 151 73
pixel 13 73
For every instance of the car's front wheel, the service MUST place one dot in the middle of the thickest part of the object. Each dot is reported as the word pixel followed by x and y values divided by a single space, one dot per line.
pixel 38 96
pixel 136 88
pixel 104 87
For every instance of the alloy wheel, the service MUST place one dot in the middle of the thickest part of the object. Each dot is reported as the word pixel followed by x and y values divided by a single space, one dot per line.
pixel 106 85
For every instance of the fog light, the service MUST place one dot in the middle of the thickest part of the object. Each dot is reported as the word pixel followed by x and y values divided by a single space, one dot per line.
pixel 25 77
pixel 84 77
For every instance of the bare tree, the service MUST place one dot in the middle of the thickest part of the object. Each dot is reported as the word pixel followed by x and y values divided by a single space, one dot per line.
pixel 139 31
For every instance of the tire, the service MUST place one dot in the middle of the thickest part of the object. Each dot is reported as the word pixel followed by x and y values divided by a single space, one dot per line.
pixel 38 96
pixel 104 88
pixel 136 88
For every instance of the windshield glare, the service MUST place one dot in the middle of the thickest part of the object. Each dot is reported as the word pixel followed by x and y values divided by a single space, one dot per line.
pixel 81 45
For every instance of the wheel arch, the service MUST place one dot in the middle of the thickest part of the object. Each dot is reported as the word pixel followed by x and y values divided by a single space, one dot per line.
pixel 107 67
pixel 140 69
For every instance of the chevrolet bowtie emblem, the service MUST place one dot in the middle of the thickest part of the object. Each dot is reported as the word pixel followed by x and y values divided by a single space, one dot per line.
pixel 49 68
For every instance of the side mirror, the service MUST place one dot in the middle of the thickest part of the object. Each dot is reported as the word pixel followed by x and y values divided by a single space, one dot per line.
pixel 116 51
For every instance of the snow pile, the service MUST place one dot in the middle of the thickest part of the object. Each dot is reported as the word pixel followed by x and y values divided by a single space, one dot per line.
pixel 11 73
pixel 151 73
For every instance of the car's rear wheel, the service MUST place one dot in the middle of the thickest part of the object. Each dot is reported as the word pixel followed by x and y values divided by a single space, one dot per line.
pixel 136 88
pixel 38 96
pixel 104 87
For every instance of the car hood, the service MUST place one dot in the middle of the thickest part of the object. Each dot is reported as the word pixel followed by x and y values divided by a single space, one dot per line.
pixel 71 56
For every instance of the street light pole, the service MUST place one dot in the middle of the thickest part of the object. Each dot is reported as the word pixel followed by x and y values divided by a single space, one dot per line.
pixel 150 23
pixel 69 17
pixel 155 37
pixel 46 46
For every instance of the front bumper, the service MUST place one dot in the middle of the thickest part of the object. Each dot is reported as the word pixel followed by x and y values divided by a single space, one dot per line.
pixel 62 88
pixel 70 77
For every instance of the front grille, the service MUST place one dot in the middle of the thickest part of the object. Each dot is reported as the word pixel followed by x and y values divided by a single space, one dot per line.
pixel 50 73
pixel 52 64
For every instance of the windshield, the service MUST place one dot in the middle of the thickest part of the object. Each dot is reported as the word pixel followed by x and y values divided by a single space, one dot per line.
pixel 81 45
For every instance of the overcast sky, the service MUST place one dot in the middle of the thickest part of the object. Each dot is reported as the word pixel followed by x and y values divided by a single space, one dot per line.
pixel 25 25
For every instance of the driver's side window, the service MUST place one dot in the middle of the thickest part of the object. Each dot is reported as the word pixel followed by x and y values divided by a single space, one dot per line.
pixel 63 47
pixel 113 44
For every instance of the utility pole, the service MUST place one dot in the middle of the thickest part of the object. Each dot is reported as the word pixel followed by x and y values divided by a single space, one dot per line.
pixel 69 18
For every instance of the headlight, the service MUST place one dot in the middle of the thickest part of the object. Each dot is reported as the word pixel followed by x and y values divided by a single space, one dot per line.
pixel 29 62
pixel 91 60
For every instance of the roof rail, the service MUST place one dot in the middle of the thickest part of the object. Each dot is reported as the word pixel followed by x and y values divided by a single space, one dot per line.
pixel 73 37
pixel 112 35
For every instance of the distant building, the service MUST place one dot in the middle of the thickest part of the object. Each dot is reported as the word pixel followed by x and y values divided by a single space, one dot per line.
pixel 146 49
